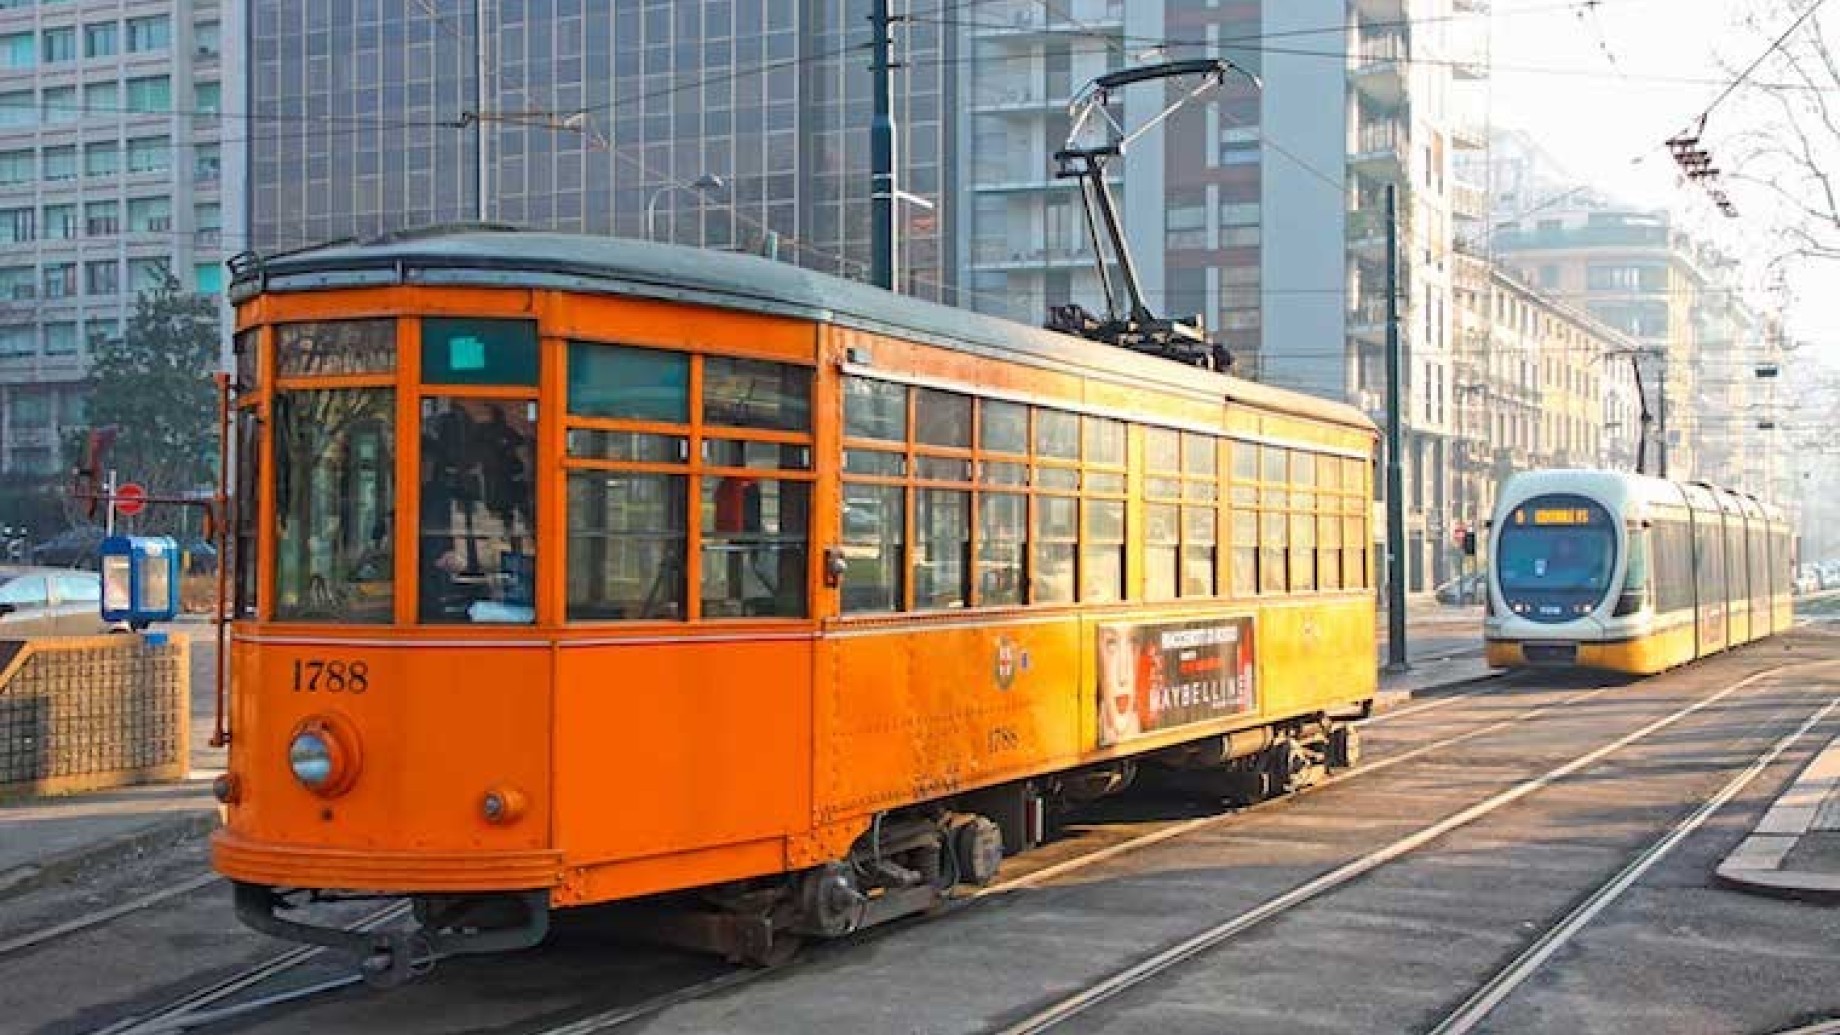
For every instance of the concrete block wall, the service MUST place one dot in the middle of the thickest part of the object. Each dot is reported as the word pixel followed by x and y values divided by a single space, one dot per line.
pixel 82 713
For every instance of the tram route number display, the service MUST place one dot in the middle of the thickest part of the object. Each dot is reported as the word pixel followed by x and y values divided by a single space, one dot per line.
pixel 1160 675
pixel 331 676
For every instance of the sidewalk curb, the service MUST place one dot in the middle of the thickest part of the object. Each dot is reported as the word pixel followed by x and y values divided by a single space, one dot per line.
pixel 1756 864
pixel 1387 700
pixel 157 834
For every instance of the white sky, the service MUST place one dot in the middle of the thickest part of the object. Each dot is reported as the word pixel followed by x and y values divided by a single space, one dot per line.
pixel 1599 84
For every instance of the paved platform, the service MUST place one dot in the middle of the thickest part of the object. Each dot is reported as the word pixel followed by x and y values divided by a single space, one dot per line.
pixel 1794 851
pixel 44 840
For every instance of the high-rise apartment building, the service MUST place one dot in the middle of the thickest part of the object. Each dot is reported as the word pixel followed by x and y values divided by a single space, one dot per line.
pixel 1262 208
pixel 736 124
pixel 112 171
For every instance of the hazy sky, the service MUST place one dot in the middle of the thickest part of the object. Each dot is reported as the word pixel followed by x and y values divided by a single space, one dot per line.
pixel 1602 85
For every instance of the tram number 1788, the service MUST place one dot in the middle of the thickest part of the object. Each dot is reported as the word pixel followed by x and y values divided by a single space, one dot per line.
pixel 331 676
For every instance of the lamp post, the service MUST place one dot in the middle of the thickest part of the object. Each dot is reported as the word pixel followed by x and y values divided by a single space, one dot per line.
pixel 702 185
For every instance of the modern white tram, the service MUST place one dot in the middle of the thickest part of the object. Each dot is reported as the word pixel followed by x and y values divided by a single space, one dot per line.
pixel 1606 570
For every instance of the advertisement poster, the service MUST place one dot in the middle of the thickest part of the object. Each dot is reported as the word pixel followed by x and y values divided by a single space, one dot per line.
pixel 1159 675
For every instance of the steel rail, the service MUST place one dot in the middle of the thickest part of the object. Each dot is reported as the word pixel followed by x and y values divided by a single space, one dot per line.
pixel 178 1014
pixel 1478 1006
pixel 624 1015
pixel 1153 966
pixel 103 916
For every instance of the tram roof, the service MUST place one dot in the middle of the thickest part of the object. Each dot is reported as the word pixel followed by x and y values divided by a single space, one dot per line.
pixel 1622 488
pixel 501 257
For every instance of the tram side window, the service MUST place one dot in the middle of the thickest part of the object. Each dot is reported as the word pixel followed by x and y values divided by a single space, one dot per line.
pixel 1273 520
pixel 478 511
pixel 626 545
pixel 1162 519
pixel 750 393
pixel 1243 522
pixel 1303 522
pixel 1002 531
pixel 248 513
pixel 874 524
pixel 623 383
pixel 1671 565
pixel 753 546
pixel 335 458
pixel 1329 523
pixel 942 522
pixel 1102 552
pixel 1054 546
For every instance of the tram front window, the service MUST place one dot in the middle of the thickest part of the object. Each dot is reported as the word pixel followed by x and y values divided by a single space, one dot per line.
pixel 478 511
pixel 334 503
pixel 1555 557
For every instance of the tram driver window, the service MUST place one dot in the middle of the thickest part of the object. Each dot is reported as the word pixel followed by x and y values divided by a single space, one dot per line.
pixel 478 547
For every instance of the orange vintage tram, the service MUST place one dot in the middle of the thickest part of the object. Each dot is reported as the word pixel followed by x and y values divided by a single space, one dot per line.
pixel 572 570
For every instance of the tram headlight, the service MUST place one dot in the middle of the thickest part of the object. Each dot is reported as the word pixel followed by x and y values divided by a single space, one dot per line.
pixel 323 757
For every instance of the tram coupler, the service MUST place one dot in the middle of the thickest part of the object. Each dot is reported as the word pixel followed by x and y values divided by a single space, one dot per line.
pixel 389 958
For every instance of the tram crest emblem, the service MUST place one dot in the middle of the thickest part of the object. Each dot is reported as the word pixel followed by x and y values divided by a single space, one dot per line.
pixel 1011 660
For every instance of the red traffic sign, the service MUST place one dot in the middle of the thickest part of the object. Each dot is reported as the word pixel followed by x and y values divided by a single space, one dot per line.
pixel 130 499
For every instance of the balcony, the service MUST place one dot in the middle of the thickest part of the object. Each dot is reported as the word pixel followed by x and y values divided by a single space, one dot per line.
pixel 1000 255
pixel 1468 201
pixel 1367 232
pixel 1380 151
pixel 1018 97
pixel 1025 19
pixel 1380 68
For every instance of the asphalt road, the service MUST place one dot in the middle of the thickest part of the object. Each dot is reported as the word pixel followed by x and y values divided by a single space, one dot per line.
pixel 1391 950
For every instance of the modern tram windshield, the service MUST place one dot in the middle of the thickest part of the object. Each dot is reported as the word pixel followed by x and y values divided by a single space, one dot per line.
pixel 1557 544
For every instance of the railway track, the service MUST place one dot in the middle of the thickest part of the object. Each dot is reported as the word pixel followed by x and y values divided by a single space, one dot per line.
pixel 1467 1016
pixel 212 1006
pixel 629 1014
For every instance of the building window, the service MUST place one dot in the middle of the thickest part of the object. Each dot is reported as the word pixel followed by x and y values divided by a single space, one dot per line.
pixel 17 225
pixel 205 39
pixel 147 274
pixel 60 339
pixel 149 215
pixel 102 98
pixel 207 163
pixel 60 163
pixel 59 45
pixel 149 154
pixel 17 340
pixel 58 223
pixel 102 158
pixel 101 218
pixel 61 282
pixel 18 108
pixel 150 95
pixel 17 50
pixel 150 33
pixel 208 224
pixel 16 167
pixel 19 283
pixel 207 98
pixel 60 105
pixel 209 278
pixel 99 39
pixel 101 278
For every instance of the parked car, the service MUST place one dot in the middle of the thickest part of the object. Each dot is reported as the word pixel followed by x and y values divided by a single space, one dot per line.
pixel 76 548
pixel 50 601
pixel 1465 589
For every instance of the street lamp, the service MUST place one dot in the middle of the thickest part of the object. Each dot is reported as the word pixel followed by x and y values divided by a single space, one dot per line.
pixel 702 185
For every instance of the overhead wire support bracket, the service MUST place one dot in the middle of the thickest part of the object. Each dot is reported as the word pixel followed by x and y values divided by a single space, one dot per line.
pixel 1136 328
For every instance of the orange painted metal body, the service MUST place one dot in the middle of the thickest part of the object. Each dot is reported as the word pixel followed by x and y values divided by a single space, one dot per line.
pixel 661 755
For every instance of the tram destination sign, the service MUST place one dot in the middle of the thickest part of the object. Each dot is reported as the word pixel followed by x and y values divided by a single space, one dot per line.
pixel 1160 675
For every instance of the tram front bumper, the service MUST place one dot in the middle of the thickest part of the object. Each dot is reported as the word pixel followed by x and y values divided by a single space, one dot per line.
pixel 354 869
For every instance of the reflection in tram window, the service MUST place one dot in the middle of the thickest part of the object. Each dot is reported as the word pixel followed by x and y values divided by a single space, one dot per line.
pixel 753 553
pixel 478 511
pixel 626 546
pixel 334 504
